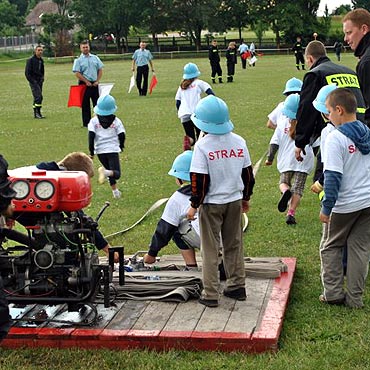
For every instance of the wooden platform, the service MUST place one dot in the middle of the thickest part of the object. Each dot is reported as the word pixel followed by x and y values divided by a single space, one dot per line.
pixel 250 326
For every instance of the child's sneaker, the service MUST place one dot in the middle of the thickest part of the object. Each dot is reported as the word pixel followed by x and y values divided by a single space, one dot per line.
pixel 101 177
pixel 116 194
pixel 283 203
pixel 186 143
pixel 290 220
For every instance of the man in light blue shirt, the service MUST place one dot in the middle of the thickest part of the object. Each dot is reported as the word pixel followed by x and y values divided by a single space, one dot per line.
pixel 88 68
pixel 243 48
pixel 142 58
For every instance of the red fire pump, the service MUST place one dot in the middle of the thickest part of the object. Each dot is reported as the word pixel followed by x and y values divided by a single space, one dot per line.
pixel 57 261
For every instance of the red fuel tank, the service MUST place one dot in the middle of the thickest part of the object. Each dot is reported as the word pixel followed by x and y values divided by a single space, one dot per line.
pixel 50 191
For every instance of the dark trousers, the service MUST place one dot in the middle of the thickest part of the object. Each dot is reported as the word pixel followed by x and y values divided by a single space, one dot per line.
pixel 36 88
pixel 216 69
pixel 299 59
pixel 91 92
pixel 191 130
pixel 142 79
pixel 244 61
pixel 110 161
pixel 230 69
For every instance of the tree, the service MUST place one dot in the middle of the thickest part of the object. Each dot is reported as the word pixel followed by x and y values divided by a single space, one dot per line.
pixel 152 15
pixel 361 4
pixel 233 14
pixel 193 16
pixel 10 21
pixel 21 6
pixel 115 17
pixel 59 24
pixel 342 10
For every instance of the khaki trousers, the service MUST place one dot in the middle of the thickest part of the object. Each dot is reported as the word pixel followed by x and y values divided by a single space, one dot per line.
pixel 351 229
pixel 223 220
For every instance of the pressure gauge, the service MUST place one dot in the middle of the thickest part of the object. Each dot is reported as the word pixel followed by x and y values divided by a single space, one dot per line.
pixel 44 190
pixel 22 188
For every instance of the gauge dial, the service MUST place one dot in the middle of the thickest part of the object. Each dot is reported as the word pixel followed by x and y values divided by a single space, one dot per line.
pixel 22 188
pixel 44 190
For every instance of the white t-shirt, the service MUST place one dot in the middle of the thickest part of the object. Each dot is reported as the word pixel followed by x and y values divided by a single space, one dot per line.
pixel 341 155
pixel 276 115
pixel 176 210
pixel 106 139
pixel 286 160
pixel 190 97
pixel 222 157
pixel 324 134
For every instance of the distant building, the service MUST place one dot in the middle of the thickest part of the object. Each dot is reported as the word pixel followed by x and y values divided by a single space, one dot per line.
pixel 33 20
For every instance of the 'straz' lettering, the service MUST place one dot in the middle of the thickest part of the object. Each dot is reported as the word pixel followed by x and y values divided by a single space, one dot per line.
pixel 351 149
pixel 226 153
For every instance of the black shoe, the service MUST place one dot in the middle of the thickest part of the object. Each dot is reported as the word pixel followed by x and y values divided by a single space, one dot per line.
pixel 290 220
pixel 239 294
pixel 334 302
pixel 283 202
pixel 208 302
pixel 213 81
pixel 220 80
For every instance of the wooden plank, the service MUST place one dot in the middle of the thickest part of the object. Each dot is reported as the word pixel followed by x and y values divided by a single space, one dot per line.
pixel 128 315
pixel 246 314
pixel 155 316
pixel 185 317
pixel 214 319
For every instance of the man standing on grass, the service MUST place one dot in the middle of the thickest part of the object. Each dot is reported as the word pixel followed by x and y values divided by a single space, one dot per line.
pixel 35 76
pixel 142 58
pixel 88 68
pixel 356 28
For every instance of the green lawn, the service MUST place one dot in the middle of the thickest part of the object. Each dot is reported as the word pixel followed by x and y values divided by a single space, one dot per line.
pixel 314 336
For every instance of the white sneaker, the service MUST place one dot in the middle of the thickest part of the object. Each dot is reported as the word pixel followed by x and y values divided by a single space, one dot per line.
pixel 116 194
pixel 101 178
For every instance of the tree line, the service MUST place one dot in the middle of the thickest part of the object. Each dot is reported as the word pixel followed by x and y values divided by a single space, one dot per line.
pixel 123 18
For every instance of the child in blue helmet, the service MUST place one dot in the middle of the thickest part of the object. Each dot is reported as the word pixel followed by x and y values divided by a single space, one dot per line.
pixel 287 164
pixel 187 97
pixel 107 139
pixel 292 86
pixel 319 104
pixel 222 182
pixel 173 223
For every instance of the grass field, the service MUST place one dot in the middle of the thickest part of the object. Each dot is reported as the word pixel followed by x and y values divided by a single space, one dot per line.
pixel 314 336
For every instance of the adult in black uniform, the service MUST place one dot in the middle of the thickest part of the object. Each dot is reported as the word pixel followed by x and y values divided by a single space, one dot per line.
pixel 35 72
pixel 298 52
pixel 214 59
pixel 322 72
pixel 6 196
pixel 356 28
pixel 231 60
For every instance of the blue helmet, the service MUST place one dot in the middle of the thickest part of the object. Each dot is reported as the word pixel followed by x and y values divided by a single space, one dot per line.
pixel 290 107
pixel 294 85
pixel 105 106
pixel 212 116
pixel 181 166
pixel 191 70
pixel 319 102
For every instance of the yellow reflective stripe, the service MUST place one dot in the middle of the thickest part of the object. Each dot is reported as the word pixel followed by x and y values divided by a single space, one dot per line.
pixel 343 80
pixel 361 110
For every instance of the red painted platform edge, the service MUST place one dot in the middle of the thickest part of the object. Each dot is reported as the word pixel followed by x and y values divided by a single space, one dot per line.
pixel 272 322
pixel 265 339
